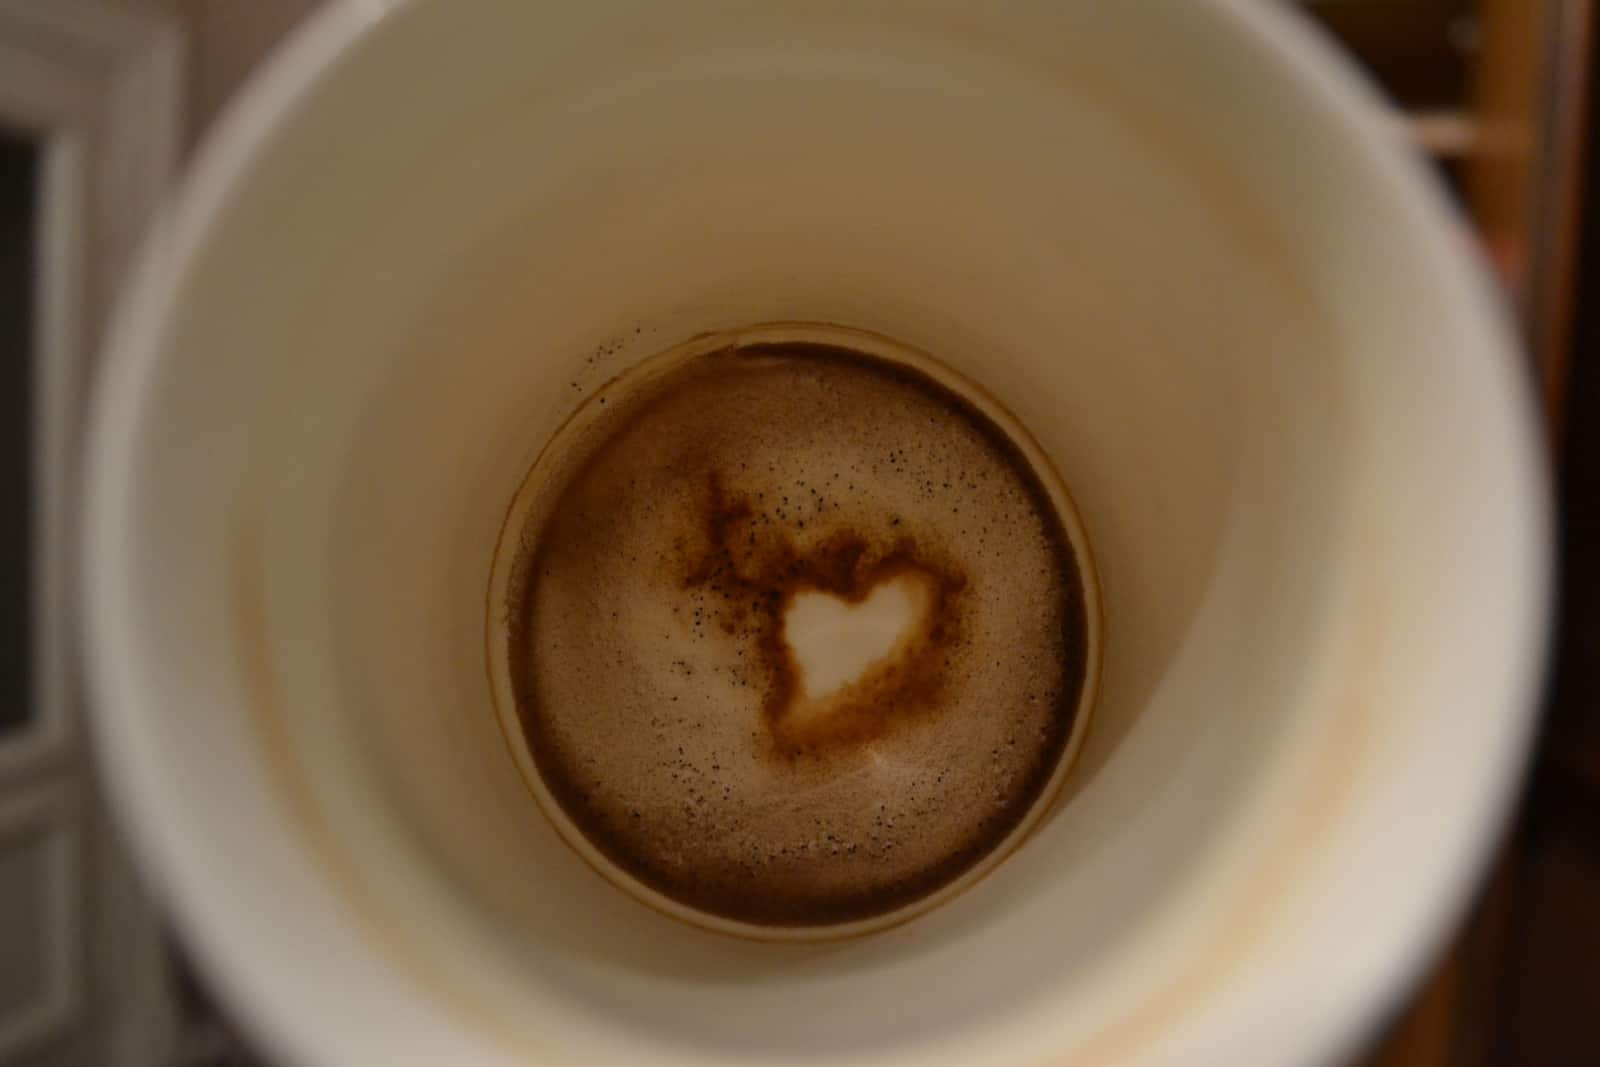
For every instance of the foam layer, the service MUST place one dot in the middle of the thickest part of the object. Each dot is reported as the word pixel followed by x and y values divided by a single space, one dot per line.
pixel 685 524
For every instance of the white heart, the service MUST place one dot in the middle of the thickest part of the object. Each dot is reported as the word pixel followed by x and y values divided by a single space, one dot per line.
pixel 835 642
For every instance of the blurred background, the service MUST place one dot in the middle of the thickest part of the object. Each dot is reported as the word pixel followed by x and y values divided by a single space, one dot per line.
pixel 101 102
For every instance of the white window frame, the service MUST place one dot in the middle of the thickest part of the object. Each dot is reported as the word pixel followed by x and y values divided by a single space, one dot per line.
pixel 99 88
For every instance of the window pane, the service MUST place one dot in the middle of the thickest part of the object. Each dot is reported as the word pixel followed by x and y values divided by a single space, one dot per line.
pixel 19 166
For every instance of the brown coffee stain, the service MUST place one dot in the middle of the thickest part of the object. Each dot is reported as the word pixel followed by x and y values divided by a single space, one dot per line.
pixel 359 890
pixel 727 547
pixel 755 569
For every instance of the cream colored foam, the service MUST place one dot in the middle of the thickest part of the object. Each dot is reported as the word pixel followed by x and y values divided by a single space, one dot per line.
pixel 835 643
pixel 645 676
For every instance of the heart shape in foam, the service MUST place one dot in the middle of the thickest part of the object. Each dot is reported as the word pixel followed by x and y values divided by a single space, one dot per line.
pixel 837 642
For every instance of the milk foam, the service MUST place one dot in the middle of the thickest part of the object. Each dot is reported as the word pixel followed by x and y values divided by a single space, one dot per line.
pixel 797 635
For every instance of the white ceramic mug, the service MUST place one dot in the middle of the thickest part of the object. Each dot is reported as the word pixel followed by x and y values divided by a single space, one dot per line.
pixel 1169 236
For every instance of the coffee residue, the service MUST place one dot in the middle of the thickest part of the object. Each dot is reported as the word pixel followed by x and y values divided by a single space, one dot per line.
pixel 754 568
pixel 659 696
